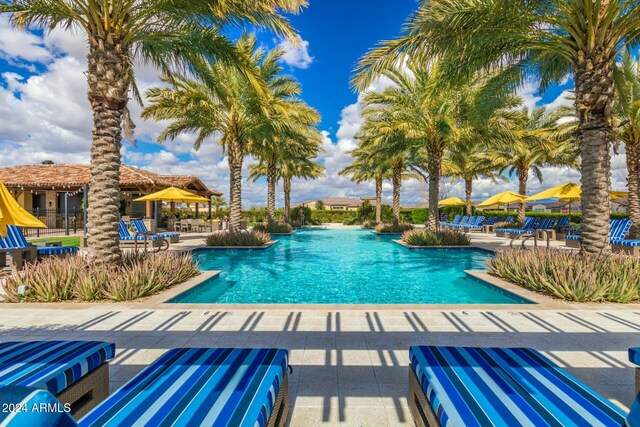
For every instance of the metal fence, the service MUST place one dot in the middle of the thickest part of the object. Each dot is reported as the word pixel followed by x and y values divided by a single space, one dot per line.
pixel 57 223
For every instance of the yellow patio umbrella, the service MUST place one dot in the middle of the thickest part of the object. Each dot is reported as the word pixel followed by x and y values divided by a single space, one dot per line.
pixel 615 195
pixel 172 194
pixel 566 193
pixel 570 192
pixel 452 201
pixel 11 213
pixel 504 198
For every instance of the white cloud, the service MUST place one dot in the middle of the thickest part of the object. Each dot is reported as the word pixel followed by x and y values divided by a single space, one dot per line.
pixel 46 116
pixel 529 94
pixel 296 56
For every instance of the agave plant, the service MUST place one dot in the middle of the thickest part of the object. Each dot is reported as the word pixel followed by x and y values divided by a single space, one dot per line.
pixel 76 278
pixel 393 228
pixel 571 276
pixel 246 238
pixel 435 238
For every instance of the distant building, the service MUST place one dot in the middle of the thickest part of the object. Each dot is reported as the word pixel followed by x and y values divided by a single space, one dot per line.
pixel 338 203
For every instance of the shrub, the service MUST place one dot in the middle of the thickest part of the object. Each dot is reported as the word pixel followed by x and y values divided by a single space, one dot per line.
pixel 419 215
pixel 245 238
pixel 369 224
pixel 390 228
pixel 277 228
pixel 437 238
pixel 351 221
pixel 571 276
pixel 77 278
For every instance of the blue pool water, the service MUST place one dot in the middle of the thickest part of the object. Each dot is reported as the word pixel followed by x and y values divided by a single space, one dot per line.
pixel 343 266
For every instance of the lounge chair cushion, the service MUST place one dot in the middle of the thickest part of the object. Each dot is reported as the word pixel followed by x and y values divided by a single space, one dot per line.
pixel 140 227
pixel 469 386
pixel 57 250
pixel 33 407
pixel 196 386
pixel 51 365
pixel 572 237
pixel 632 243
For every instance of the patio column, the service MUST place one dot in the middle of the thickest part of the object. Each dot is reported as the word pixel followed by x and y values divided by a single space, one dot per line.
pixel 209 208
pixel 197 210
pixel 149 213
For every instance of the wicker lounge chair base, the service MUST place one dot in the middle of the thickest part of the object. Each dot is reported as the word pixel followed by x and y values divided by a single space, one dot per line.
pixel 86 393
pixel 280 412
pixel 423 415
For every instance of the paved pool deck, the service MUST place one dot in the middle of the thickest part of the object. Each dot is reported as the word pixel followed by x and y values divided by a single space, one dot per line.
pixel 350 365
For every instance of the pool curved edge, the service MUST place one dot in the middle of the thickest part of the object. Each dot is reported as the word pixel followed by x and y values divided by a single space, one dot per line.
pixel 522 298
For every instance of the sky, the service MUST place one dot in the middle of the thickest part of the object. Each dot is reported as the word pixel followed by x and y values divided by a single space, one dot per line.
pixel 44 113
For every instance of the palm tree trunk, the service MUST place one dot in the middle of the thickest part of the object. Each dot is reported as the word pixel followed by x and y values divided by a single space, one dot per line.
pixel 594 91
pixel 434 166
pixel 633 153
pixel 108 81
pixel 234 151
pixel 468 188
pixel 523 178
pixel 397 184
pixel 378 198
pixel 272 175
pixel 287 199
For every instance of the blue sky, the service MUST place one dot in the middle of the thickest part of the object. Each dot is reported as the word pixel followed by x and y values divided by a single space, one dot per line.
pixel 46 115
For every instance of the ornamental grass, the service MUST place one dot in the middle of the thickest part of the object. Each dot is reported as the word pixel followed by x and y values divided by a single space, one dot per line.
pixel 75 278
pixel 275 228
pixel 244 238
pixel 390 228
pixel 435 238
pixel 571 276
pixel 370 224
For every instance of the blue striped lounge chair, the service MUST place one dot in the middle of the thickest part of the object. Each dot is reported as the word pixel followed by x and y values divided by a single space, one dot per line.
pixel 140 227
pixel 76 372
pixel 474 225
pixel 456 220
pixel 618 229
pixel 527 227
pixel 444 219
pixel 16 244
pixel 468 386
pixel 464 220
pixel 562 224
pixel 199 387
pixel 127 238
pixel 626 246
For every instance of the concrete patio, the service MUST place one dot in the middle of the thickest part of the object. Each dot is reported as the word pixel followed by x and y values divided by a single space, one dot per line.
pixel 350 366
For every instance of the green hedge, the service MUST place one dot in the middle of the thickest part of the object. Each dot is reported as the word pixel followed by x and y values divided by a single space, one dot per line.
pixel 575 217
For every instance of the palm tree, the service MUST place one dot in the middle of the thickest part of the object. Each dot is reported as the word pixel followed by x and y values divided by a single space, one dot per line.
pixel 549 40
pixel 466 161
pixel 220 102
pixel 287 169
pixel 303 168
pixel 275 151
pixel 627 79
pixel 218 202
pixel 366 166
pixel 530 141
pixel 288 132
pixel 415 114
pixel 165 34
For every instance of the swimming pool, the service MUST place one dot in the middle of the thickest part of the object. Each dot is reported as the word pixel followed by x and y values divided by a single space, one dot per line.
pixel 343 266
